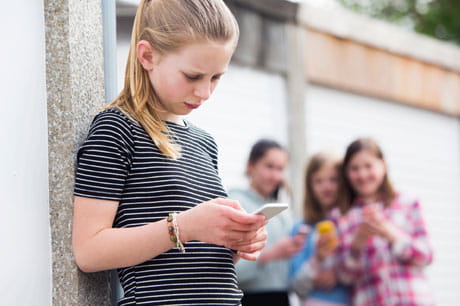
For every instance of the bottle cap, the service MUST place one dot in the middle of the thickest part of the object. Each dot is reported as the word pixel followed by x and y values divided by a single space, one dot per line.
pixel 324 227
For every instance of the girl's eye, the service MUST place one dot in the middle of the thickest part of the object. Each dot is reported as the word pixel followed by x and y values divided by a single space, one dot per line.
pixel 216 77
pixel 192 77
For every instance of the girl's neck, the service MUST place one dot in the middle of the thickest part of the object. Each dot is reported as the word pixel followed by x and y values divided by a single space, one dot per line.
pixel 264 197
pixel 368 199
pixel 326 210
pixel 172 118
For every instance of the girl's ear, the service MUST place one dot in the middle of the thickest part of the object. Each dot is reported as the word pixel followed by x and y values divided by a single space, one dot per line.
pixel 248 169
pixel 385 166
pixel 146 55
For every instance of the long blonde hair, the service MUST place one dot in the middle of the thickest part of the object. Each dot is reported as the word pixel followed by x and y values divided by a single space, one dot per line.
pixel 168 25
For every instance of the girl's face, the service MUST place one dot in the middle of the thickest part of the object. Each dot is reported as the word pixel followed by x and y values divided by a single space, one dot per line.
pixel 366 173
pixel 267 173
pixel 324 184
pixel 184 79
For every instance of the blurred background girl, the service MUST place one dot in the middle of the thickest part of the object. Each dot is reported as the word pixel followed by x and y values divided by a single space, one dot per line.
pixel 312 270
pixel 384 244
pixel 265 282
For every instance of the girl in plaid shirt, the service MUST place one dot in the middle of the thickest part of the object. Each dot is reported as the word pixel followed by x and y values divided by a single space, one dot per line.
pixel 384 245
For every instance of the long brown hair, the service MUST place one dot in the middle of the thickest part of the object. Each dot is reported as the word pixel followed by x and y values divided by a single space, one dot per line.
pixel 312 209
pixel 168 25
pixel 346 193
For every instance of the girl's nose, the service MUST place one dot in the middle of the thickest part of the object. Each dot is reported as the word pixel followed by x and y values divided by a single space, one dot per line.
pixel 203 91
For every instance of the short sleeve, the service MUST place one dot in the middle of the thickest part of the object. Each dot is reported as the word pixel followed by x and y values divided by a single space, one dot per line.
pixel 104 159
pixel 207 143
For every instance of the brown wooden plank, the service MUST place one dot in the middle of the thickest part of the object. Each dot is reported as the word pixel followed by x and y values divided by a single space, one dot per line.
pixel 355 67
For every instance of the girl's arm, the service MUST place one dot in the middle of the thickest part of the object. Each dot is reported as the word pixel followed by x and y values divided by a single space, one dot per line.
pixel 412 248
pixel 350 257
pixel 316 271
pixel 284 248
pixel 409 246
pixel 98 246
pixel 302 283
pixel 350 267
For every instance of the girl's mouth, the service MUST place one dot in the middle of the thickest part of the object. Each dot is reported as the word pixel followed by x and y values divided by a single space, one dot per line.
pixel 192 106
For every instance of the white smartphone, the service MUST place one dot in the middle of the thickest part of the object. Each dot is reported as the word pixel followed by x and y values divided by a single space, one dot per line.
pixel 271 209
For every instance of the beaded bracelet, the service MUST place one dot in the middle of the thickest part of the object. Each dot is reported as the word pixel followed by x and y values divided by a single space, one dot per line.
pixel 173 230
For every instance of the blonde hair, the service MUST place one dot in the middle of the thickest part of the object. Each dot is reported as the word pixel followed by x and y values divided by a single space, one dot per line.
pixel 168 25
pixel 312 210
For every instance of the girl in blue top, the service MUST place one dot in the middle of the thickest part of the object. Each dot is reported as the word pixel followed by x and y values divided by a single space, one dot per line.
pixel 312 272
pixel 265 281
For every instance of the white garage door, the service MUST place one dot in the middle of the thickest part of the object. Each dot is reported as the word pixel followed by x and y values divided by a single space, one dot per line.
pixel 423 152
pixel 246 105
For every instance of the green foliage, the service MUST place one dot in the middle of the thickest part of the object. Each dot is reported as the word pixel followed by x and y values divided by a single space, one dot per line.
pixel 437 18
pixel 442 20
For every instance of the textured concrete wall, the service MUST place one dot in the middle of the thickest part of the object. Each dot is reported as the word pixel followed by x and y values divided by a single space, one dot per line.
pixel 75 91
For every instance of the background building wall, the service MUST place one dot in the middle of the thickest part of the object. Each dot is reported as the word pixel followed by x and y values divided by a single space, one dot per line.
pixel 24 222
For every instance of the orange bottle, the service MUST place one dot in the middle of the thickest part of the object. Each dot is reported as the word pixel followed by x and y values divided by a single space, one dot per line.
pixel 327 227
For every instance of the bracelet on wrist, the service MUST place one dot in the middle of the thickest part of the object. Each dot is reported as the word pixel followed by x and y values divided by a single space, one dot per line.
pixel 173 231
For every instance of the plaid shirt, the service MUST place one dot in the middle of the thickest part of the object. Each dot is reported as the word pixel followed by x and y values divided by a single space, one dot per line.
pixel 385 274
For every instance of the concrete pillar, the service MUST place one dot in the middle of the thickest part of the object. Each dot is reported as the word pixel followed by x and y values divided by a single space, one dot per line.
pixel 295 88
pixel 75 91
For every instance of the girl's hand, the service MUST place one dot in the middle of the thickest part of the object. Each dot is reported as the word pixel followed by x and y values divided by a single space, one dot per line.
pixel 378 224
pixel 325 246
pixel 223 222
pixel 325 279
pixel 252 250
pixel 362 234
pixel 284 248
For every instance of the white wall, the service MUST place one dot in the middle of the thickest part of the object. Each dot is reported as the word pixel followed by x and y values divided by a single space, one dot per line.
pixel 423 152
pixel 247 105
pixel 25 249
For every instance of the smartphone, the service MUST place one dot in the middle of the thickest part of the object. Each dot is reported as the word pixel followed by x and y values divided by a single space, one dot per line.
pixel 271 209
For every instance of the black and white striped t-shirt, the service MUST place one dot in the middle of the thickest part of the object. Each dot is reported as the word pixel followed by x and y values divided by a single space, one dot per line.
pixel 118 161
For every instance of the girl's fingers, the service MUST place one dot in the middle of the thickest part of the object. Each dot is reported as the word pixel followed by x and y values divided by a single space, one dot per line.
pixel 247 221
pixel 230 203
pixel 251 248
pixel 249 256
pixel 238 215
pixel 237 238
pixel 259 237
